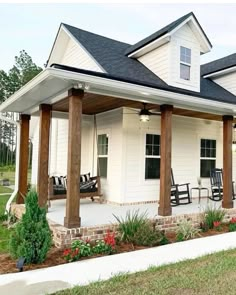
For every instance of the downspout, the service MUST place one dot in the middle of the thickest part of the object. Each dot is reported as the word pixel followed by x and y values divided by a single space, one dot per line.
pixel 17 124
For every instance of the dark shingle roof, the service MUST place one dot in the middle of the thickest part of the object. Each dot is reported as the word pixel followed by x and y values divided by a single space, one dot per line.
pixel 110 54
pixel 162 32
pixel 219 64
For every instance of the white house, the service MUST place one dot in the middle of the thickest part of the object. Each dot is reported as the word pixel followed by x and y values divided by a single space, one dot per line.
pixel 120 83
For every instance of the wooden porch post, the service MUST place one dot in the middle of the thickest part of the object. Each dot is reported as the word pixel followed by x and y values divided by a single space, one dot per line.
pixel 227 201
pixel 165 173
pixel 24 157
pixel 43 155
pixel 72 218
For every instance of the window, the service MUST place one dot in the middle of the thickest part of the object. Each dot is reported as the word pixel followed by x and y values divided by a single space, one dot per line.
pixel 185 63
pixel 103 154
pixel 207 157
pixel 152 160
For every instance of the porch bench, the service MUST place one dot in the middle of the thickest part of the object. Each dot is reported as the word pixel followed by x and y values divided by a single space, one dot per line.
pixel 59 190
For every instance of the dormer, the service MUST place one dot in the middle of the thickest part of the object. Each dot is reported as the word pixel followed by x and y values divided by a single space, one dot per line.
pixel 173 53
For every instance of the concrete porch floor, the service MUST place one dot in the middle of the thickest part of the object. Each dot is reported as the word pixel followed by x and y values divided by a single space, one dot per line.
pixel 93 213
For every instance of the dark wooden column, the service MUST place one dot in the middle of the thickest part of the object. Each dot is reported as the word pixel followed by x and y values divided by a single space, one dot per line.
pixel 227 162
pixel 24 157
pixel 165 174
pixel 72 218
pixel 43 153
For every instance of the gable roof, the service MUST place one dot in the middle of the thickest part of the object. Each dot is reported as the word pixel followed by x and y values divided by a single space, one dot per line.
pixel 110 54
pixel 219 65
pixel 167 29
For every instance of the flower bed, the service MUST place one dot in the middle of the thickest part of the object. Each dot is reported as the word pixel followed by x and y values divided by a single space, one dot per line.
pixel 135 232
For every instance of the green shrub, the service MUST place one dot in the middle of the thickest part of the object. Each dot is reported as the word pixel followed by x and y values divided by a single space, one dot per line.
pixel 129 225
pixel 147 235
pixel 232 224
pixel 31 237
pixel 186 231
pixel 212 215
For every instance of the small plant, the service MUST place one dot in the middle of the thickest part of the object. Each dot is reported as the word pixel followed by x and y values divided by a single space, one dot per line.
pixel 107 245
pixel 217 225
pixel 213 214
pixel 186 231
pixel 232 224
pixel 71 255
pixel 148 235
pixel 129 225
pixel 31 237
pixel 84 248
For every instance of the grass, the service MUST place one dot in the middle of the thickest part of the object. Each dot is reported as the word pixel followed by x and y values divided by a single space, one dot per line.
pixel 4 232
pixel 212 274
pixel 5 190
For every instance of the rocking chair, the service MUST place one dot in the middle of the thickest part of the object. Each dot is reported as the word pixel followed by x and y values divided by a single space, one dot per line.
pixel 216 178
pixel 179 193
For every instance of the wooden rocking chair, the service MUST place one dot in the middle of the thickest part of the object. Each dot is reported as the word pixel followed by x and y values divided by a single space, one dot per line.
pixel 216 178
pixel 179 193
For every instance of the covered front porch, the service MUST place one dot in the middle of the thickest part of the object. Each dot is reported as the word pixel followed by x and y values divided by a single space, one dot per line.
pixel 95 214
pixel 65 91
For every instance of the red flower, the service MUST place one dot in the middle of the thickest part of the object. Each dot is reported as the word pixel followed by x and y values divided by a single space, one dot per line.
pixel 216 223
pixel 66 252
pixel 233 220
pixel 109 239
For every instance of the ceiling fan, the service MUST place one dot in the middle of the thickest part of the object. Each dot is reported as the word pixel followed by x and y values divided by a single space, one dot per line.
pixel 144 113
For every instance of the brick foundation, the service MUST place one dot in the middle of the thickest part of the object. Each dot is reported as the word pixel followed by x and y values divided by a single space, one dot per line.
pixel 63 237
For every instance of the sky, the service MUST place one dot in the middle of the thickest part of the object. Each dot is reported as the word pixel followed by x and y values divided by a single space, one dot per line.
pixel 33 27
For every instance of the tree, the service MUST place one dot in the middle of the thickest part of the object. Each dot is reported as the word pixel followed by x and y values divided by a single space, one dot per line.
pixel 31 237
pixel 21 73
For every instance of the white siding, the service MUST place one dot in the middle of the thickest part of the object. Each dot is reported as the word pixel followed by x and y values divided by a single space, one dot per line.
pixel 157 61
pixel 185 37
pixel 77 57
pixel 227 81
pixel 187 133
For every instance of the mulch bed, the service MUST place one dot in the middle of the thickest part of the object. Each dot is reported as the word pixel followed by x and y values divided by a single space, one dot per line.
pixel 55 256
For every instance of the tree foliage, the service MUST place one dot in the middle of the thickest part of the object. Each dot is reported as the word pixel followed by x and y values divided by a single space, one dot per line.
pixel 23 70
pixel 31 238
pixel 21 73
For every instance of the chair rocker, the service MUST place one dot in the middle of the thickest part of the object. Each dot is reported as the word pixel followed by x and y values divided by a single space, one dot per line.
pixel 180 193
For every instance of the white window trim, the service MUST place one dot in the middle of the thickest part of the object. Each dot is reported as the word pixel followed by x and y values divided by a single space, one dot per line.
pixel 150 156
pixel 185 63
pixel 104 156
pixel 207 158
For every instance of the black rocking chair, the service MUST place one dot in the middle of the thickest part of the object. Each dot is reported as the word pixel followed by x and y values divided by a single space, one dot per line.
pixel 216 178
pixel 179 193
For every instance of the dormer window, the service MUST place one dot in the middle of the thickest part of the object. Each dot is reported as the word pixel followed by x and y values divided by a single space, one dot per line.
pixel 185 63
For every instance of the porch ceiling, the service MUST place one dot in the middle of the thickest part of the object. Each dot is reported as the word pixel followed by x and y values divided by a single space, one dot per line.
pixel 95 104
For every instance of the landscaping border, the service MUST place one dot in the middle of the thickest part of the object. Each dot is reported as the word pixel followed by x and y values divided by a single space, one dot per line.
pixel 52 279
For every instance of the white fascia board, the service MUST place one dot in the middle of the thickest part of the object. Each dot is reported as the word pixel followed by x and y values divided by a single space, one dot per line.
pixel 205 45
pixel 124 90
pixel 150 46
pixel 23 90
pixel 115 88
pixel 221 73
pixel 77 41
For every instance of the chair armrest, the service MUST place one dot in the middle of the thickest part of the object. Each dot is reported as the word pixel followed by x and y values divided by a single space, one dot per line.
pixel 182 184
pixel 94 178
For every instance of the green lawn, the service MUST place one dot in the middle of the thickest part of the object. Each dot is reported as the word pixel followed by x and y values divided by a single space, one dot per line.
pixel 4 232
pixel 212 274
pixel 5 190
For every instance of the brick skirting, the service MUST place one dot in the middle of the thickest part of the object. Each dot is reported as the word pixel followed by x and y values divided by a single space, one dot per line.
pixel 63 237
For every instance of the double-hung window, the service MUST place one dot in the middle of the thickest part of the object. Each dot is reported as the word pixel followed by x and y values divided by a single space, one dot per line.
pixel 207 157
pixel 103 154
pixel 152 156
pixel 185 63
